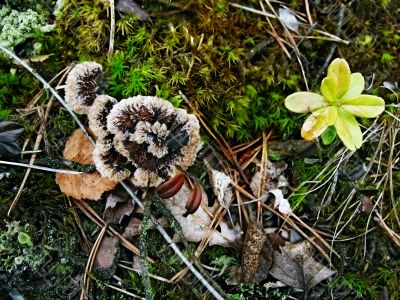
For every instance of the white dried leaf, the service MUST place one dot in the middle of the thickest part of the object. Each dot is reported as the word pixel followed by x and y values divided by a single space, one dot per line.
pixel 195 226
pixel 289 19
pixel 220 183
pixel 280 202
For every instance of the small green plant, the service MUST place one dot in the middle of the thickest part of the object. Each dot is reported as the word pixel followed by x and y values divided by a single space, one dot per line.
pixel 341 101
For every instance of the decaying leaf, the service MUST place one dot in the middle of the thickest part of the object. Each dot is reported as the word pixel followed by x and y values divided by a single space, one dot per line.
pixel 119 204
pixel 289 19
pixel 10 132
pixel 256 255
pixel 274 177
pixel 296 267
pixel 133 228
pixel 220 184
pixel 83 186
pixel 104 264
pixel 195 226
pixel 280 202
pixel 131 7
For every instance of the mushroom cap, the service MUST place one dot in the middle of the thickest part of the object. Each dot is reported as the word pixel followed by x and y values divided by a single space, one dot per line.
pixel 155 138
pixel 98 113
pixel 81 86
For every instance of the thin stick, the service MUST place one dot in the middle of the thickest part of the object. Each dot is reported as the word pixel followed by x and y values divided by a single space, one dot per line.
pixel 112 29
pixel 150 275
pixel 11 163
pixel 263 13
pixel 308 12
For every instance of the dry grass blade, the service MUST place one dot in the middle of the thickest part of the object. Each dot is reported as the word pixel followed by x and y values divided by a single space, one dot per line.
pixel 393 235
pixel 308 12
pixel 150 275
pixel 30 166
pixel 112 28
pixel 90 261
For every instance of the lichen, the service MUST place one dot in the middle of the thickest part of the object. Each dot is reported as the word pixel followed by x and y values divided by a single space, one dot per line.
pixel 17 26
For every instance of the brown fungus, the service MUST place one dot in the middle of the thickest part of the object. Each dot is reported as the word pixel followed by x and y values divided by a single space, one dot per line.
pixel 148 139
pixel 81 86
pixel 98 115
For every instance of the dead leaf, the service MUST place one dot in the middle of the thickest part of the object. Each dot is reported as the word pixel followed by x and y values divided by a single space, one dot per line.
pixel 256 255
pixel 83 186
pixel 289 19
pixel 220 184
pixel 366 204
pixel 119 204
pixel 195 226
pixel 131 7
pixel 10 132
pixel 274 177
pixel 133 228
pixel 280 202
pixel 296 267
pixel 104 263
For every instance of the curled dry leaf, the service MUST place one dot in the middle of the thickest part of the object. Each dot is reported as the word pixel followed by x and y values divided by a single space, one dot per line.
pixel 280 202
pixel 119 204
pixel 83 186
pixel 296 267
pixel 220 184
pixel 10 132
pixel 274 178
pixel 195 226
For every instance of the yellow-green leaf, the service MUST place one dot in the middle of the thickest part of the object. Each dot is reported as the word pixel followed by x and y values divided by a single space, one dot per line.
pixel 356 86
pixel 318 122
pixel 328 89
pixel 365 106
pixel 302 102
pixel 339 71
pixel 348 130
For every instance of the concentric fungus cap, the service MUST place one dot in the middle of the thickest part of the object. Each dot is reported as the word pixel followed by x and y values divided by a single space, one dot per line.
pixel 98 113
pixel 147 139
pixel 81 86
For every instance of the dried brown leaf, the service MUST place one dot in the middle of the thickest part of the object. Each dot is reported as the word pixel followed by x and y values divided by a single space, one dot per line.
pixel 119 204
pixel 296 267
pixel 274 178
pixel 83 186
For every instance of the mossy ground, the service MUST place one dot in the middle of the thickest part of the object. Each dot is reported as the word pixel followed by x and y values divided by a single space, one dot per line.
pixel 230 68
